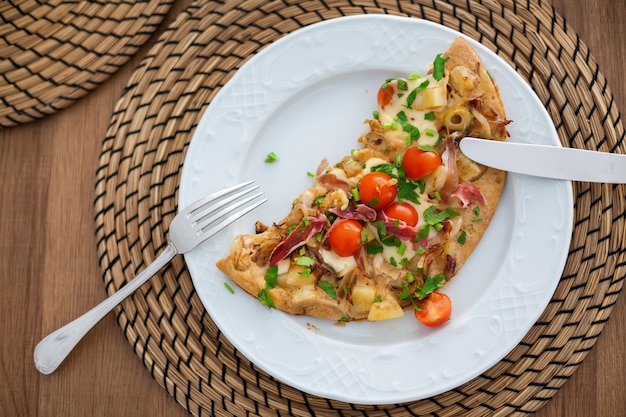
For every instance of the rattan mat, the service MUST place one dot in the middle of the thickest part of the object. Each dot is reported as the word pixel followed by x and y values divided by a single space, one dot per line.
pixel 144 149
pixel 54 52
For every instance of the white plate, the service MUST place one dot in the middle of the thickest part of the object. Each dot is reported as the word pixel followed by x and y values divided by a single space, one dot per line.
pixel 305 97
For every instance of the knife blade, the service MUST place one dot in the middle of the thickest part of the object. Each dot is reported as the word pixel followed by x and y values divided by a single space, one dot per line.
pixel 547 161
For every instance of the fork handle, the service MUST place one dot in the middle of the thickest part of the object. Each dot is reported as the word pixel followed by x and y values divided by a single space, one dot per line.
pixel 54 348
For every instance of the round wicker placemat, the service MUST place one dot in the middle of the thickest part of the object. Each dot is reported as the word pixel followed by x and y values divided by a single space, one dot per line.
pixel 144 150
pixel 54 52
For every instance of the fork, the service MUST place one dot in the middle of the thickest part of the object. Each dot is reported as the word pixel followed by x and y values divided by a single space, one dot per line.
pixel 192 226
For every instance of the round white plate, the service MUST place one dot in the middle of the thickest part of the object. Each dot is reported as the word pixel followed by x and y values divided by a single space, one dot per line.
pixel 305 98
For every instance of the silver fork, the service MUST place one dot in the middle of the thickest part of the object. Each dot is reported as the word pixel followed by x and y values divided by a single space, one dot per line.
pixel 192 226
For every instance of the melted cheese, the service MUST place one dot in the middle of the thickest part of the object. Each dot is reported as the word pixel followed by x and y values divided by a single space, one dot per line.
pixel 340 264
pixel 422 105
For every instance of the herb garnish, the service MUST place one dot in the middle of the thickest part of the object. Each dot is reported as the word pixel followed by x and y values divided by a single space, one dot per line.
pixel 434 217
pixel 431 284
pixel 413 94
pixel 438 67
pixel 270 282
pixel 407 127
pixel 328 288
pixel 229 288
pixel 271 157
pixel 265 299
pixel 270 276
pixel 404 294
pixel 462 237
pixel 373 247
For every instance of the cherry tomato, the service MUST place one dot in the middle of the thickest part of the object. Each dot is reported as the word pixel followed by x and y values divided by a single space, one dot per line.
pixel 435 310
pixel 377 190
pixel 385 95
pixel 418 163
pixel 402 211
pixel 345 237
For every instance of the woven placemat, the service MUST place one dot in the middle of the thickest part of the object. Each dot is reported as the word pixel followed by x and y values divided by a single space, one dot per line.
pixel 139 174
pixel 54 52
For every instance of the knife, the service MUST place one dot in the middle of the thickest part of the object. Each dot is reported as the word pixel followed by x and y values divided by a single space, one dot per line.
pixel 547 161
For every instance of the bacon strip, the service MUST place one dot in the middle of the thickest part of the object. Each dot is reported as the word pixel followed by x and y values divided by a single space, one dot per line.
pixel 330 181
pixel 452 175
pixel 466 192
pixel 297 238
pixel 361 212
pixel 398 228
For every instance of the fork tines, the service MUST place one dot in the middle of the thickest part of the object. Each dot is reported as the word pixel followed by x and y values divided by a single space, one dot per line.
pixel 220 212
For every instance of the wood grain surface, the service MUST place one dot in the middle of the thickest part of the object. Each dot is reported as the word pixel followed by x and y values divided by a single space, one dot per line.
pixel 49 271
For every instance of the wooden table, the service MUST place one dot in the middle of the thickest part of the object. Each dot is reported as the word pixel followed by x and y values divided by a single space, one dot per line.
pixel 49 270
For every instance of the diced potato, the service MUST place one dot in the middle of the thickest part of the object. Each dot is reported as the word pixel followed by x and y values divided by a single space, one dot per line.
pixel 363 298
pixel 386 309
pixel 294 278
pixel 468 169
pixel 432 98
pixel 463 79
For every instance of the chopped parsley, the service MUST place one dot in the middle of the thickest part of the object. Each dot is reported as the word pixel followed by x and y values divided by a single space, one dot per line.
pixel 270 276
pixel 271 157
pixel 438 67
pixel 413 94
pixel 386 83
pixel 304 261
pixel 328 288
pixel 476 212
pixel 428 148
pixel 433 217
pixel 402 85
pixel 373 247
pixel 270 282
pixel 265 299
pixel 407 190
pixel 431 284
pixel 462 237
pixel 407 127
pixel 404 294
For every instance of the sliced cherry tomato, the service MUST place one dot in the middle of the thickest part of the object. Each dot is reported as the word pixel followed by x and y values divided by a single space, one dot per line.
pixel 418 163
pixel 385 95
pixel 402 211
pixel 377 190
pixel 345 237
pixel 435 310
